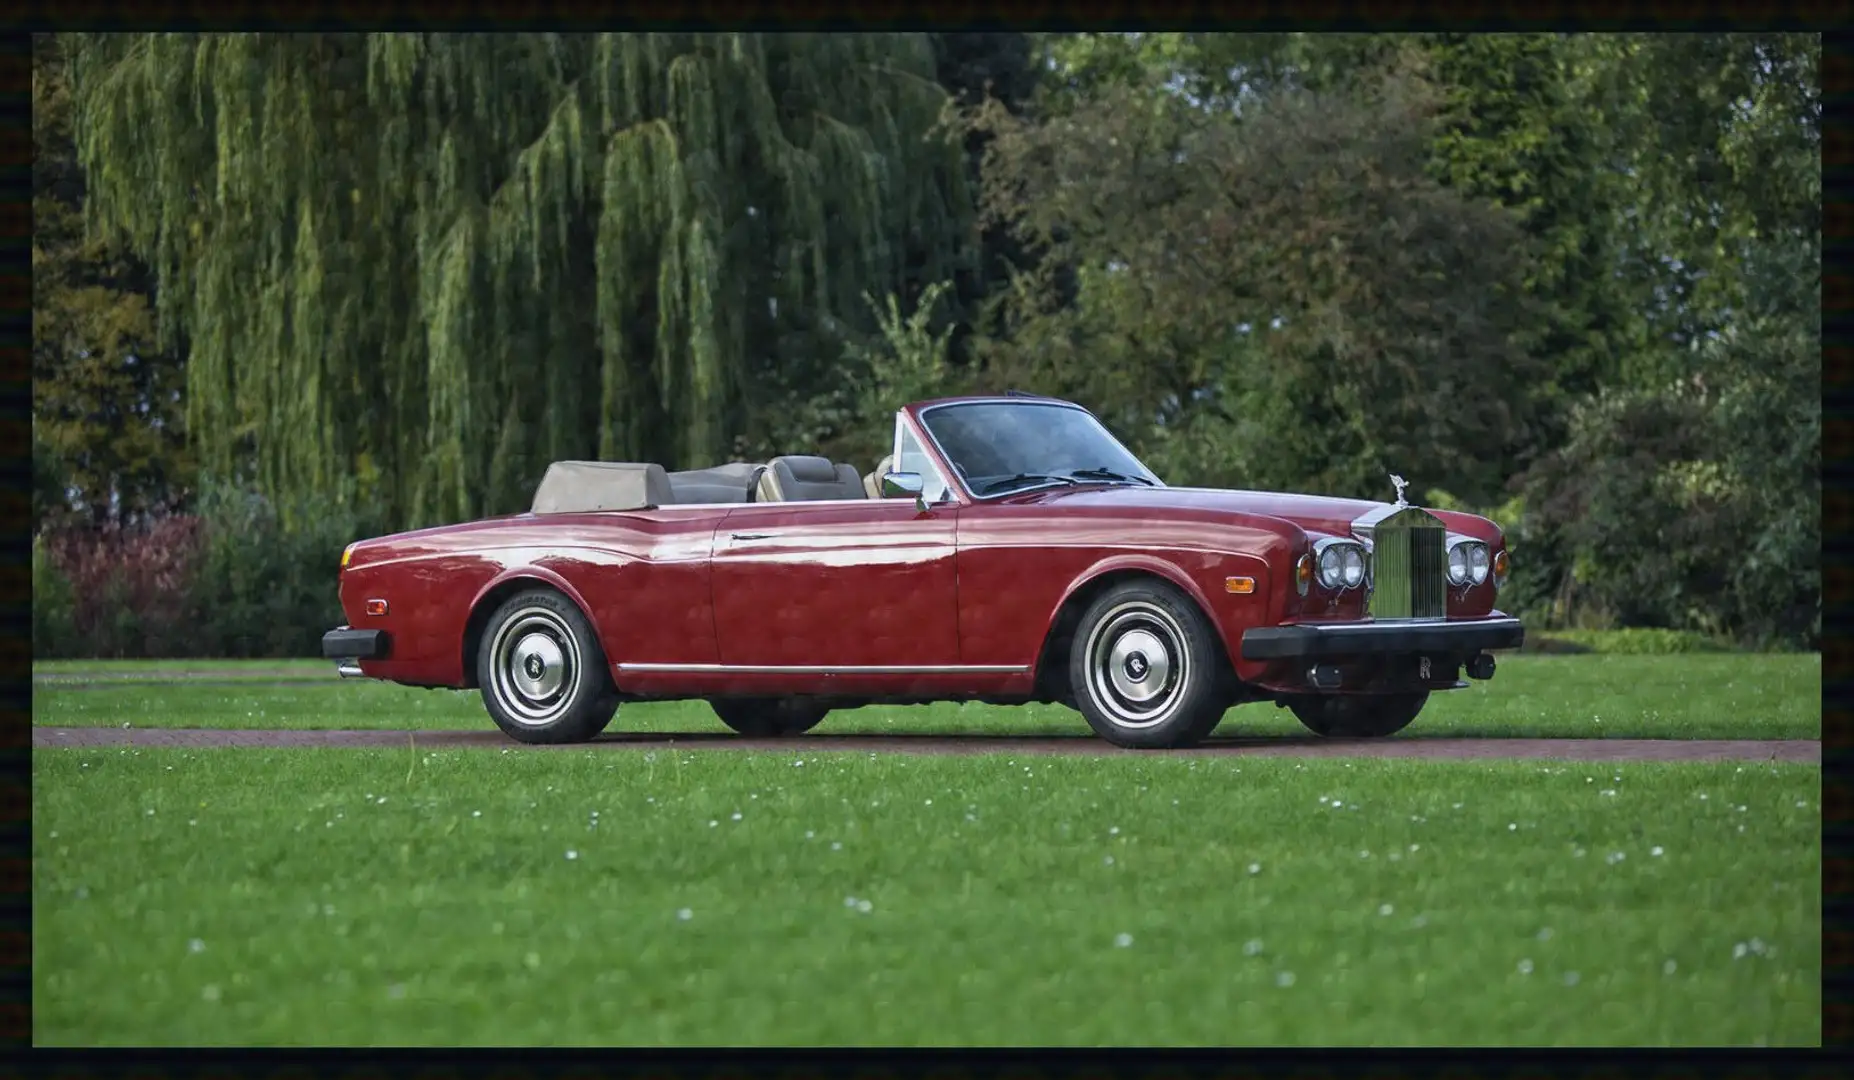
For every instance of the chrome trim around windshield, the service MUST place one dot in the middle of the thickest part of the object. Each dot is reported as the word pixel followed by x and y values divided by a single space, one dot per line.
pixel 920 421
pixel 903 423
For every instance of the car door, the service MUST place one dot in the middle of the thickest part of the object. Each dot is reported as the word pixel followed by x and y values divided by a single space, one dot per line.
pixel 834 585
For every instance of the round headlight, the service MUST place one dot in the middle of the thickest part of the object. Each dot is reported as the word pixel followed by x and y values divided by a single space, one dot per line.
pixel 1477 563
pixel 1353 564
pixel 1332 566
pixel 1458 564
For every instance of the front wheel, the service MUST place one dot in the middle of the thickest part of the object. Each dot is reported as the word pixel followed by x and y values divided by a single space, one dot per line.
pixel 1146 669
pixel 1358 716
pixel 765 718
pixel 542 671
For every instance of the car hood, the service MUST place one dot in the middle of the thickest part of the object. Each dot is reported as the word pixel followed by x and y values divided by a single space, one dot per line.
pixel 1312 513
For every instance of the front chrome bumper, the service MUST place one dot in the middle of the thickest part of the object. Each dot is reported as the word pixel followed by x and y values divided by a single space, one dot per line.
pixel 1307 640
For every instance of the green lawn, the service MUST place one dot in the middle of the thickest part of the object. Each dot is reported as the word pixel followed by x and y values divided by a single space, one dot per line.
pixel 130 669
pixel 1595 696
pixel 668 897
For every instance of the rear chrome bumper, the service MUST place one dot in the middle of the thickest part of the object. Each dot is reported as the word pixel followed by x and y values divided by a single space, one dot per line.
pixel 1305 640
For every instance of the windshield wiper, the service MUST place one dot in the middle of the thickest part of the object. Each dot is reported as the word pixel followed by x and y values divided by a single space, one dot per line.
pixel 1021 478
pixel 1109 474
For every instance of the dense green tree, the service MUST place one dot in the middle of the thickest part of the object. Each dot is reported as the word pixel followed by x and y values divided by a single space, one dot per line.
pixel 1286 301
pixel 1689 492
pixel 1516 131
pixel 437 262
pixel 1511 130
pixel 1216 71
pixel 974 66
pixel 107 435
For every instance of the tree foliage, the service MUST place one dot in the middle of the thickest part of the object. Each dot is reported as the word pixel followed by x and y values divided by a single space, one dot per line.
pixel 440 261
pixel 1688 494
pixel 1288 300
pixel 107 438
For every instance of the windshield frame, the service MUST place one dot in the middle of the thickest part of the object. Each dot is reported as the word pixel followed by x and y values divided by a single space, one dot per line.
pixel 965 487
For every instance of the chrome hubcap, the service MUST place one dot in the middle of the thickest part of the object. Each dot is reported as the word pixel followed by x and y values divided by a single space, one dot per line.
pixel 1137 664
pixel 539 667
pixel 534 671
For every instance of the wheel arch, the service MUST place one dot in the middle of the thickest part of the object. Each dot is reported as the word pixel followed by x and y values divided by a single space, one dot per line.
pixel 1052 668
pixel 492 596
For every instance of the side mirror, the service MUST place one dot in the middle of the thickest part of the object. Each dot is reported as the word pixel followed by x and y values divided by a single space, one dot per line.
pixel 900 485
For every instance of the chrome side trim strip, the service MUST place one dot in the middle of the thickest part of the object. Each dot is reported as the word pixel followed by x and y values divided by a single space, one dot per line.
pixel 827 669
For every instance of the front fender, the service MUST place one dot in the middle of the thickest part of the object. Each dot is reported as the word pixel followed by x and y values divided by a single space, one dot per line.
pixel 1229 614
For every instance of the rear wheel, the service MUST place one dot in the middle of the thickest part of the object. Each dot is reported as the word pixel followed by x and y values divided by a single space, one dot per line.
pixel 765 718
pixel 542 671
pixel 1146 668
pixel 1358 716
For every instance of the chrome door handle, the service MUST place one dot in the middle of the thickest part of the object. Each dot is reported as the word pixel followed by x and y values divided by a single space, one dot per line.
pixel 752 536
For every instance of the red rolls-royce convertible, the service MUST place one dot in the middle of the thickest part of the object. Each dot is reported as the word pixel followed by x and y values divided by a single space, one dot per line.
pixel 1008 550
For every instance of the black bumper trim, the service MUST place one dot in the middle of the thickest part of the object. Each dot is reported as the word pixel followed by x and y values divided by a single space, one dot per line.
pixel 346 643
pixel 1354 639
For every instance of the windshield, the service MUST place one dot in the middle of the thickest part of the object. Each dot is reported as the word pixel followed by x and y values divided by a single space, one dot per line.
pixel 990 443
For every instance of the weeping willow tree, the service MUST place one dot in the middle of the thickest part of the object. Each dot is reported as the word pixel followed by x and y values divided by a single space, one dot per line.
pixel 435 262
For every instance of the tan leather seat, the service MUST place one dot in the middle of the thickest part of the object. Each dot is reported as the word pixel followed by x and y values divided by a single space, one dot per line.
pixel 808 478
pixel 872 483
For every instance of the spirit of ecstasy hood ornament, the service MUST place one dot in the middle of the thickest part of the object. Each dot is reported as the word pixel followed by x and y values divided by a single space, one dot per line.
pixel 1399 483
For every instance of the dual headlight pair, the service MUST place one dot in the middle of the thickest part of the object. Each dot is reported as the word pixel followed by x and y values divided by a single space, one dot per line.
pixel 1339 564
pixel 1469 564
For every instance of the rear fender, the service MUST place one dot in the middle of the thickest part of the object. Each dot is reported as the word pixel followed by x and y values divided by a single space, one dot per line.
pixel 509 582
pixel 540 575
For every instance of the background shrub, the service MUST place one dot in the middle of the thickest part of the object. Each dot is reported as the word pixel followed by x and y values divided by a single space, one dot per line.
pixel 1637 641
pixel 54 628
pixel 242 577
pixel 118 592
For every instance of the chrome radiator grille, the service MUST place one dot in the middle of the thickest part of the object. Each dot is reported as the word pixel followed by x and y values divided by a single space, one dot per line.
pixel 1409 567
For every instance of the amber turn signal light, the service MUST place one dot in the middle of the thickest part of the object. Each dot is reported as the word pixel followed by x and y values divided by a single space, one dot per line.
pixel 1241 586
pixel 346 554
pixel 376 607
pixel 1303 574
